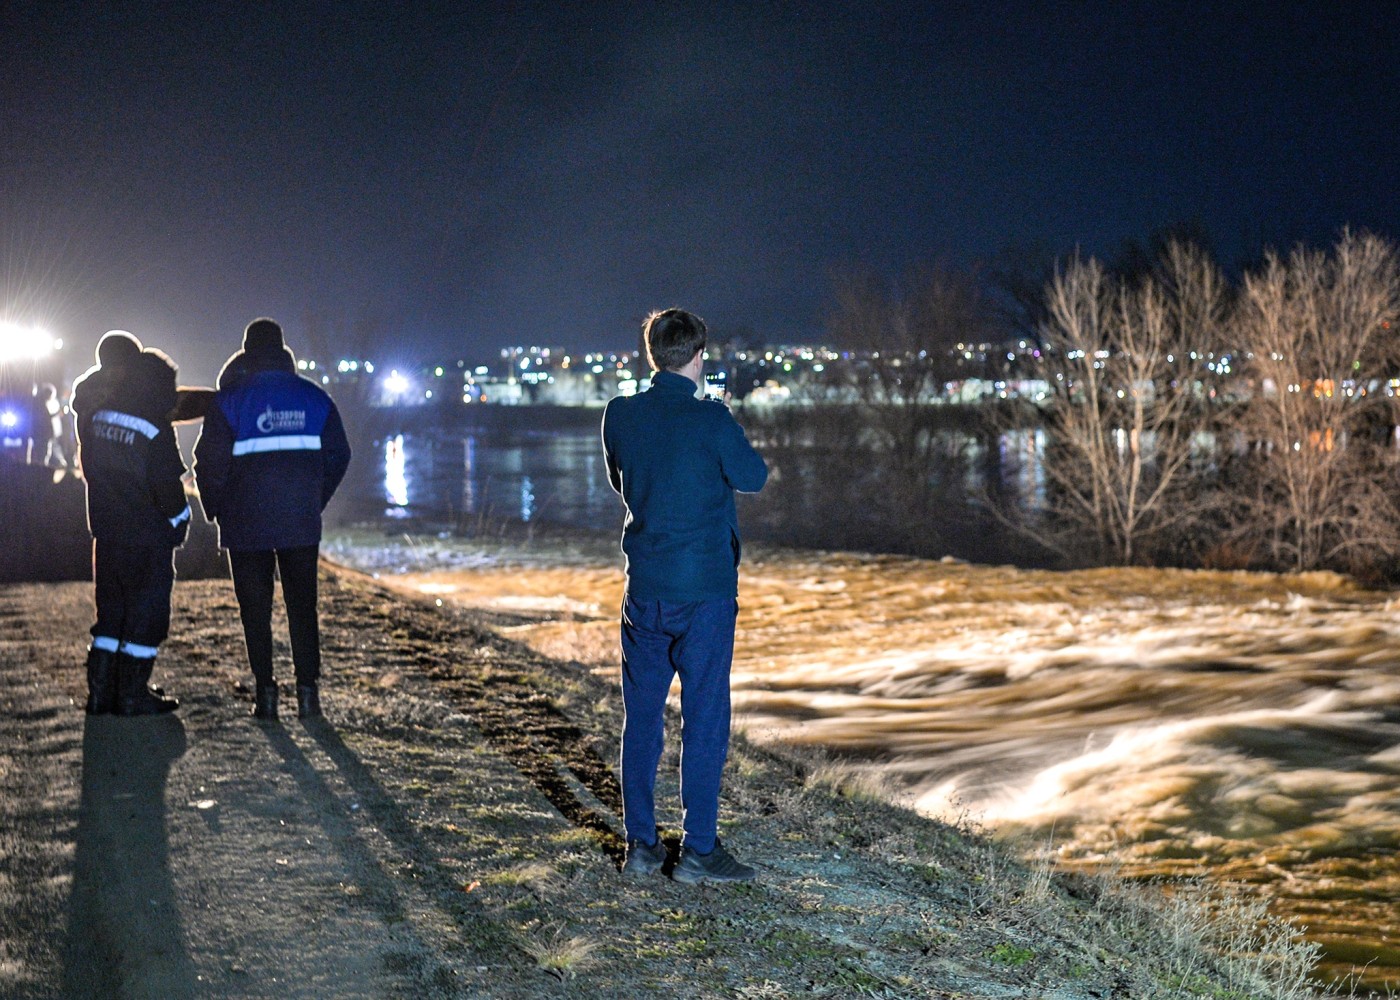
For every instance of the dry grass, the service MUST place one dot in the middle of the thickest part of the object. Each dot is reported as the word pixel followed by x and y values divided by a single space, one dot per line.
pixel 562 957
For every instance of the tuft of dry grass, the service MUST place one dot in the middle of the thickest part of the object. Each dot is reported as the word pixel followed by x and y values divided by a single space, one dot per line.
pixel 559 956
pixel 851 782
pixel 1199 934
pixel 538 877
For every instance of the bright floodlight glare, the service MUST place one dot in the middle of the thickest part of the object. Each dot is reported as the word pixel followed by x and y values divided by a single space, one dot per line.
pixel 24 343
pixel 395 383
pixel 9 419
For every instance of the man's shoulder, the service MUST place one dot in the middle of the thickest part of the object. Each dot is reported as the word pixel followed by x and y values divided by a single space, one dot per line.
pixel 273 381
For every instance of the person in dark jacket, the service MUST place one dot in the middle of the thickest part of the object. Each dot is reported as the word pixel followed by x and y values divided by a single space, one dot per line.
pixel 138 516
pixel 270 456
pixel 677 461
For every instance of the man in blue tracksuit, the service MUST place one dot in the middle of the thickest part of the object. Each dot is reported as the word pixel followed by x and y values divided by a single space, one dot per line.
pixel 677 461
pixel 272 452
pixel 138 516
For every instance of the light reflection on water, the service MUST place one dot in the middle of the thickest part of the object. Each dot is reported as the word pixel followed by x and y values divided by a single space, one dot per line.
pixel 450 479
pixel 395 474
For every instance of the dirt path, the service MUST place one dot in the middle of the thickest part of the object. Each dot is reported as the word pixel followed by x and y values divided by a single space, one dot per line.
pixel 199 853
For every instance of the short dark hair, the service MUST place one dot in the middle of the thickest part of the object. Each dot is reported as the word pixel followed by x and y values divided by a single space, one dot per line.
pixel 672 336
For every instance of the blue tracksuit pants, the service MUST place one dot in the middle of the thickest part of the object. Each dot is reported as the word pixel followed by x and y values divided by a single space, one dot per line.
pixel 662 639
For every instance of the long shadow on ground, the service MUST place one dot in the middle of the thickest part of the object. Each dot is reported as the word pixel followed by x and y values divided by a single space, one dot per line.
pixel 125 937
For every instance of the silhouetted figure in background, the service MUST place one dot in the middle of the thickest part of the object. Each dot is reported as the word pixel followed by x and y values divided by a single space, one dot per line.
pixel 137 514
pixel 270 456
pixel 677 461
pixel 46 445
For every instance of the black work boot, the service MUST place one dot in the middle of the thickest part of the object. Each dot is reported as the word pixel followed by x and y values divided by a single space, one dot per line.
pixel 308 701
pixel 133 695
pixel 265 701
pixel 102 682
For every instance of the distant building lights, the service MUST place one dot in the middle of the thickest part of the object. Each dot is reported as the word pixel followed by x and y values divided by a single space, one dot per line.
pixel 481 370
pixel 524 363
pixel 343 367
pixel 301 366
pixel 369 367
pixel 428 394
pixel 325 380
pixel 438 371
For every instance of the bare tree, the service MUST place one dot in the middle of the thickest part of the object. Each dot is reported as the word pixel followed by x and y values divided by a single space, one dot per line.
pixel 886 447
pixel 1319 480
pixel 1129 369
pixel 905 339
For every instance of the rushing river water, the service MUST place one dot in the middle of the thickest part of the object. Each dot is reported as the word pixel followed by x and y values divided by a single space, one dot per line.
pixel 1238 727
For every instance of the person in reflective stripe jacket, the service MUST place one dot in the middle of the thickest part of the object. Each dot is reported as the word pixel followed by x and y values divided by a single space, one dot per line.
pixel 137 514
pixel 269 459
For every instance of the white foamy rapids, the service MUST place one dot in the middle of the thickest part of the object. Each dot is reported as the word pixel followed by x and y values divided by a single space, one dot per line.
pixel 1205 715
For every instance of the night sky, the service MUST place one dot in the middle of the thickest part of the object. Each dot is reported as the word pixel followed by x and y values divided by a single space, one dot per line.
pixel 461 176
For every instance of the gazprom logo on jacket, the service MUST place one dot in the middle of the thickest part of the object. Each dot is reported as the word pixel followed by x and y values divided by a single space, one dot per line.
pixel 272 421
pixel 277 430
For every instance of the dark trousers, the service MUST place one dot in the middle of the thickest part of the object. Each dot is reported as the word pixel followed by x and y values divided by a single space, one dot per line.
pixel 660 640
pixel 253 573
pixel 131 587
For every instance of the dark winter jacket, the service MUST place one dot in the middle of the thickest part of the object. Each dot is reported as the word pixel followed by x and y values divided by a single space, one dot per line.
pixel 271 454
pixel 128 452
pixel 677 461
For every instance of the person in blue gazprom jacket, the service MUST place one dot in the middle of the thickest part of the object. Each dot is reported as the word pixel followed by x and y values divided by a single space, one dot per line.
pixel 677 460
pixel 272 452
